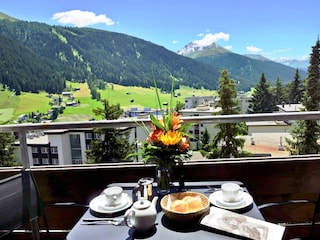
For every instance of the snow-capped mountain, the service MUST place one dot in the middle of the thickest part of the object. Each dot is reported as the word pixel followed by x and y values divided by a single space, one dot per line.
pixel 194 47
pixel 246 69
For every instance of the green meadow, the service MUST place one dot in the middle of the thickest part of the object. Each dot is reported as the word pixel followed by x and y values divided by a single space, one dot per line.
pixel 12 106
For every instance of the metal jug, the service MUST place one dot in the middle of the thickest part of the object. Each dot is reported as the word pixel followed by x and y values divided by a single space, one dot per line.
pixel 143 189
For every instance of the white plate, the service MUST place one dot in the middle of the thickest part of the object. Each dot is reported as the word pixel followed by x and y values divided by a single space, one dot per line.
pixel 98 204
pixel 216 199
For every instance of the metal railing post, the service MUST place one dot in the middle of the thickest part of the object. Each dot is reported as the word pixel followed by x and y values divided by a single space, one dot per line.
pixel 24 149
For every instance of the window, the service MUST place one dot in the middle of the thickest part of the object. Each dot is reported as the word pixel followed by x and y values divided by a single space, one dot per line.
pixel 45 161
pixel 75 140
pixel 54 149
pixel 77 161
pixel 76 153
pixel 44 150
pixel 36 161
pixel 34 150
pixel 88 135
pixel 75 143
pixel 97 136
pixel 55 161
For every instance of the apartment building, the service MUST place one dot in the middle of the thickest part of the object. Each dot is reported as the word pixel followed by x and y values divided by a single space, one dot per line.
pixel 67 147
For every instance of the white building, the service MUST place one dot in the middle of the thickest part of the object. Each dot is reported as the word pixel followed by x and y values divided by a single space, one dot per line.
pixel 194 101
pixel 198 129
pixel 68 146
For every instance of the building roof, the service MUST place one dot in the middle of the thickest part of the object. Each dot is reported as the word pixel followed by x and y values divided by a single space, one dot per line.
pixel 290 107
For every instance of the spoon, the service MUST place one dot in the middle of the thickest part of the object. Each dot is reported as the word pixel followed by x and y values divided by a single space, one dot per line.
pixel 212 189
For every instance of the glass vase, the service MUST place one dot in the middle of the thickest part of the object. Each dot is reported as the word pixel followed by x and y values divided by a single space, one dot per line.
pixel 163 180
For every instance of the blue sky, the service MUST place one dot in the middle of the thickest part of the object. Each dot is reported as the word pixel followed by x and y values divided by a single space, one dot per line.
pixel 272 28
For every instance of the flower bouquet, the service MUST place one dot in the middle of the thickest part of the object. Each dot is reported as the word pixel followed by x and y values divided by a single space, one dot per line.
pixel 167 143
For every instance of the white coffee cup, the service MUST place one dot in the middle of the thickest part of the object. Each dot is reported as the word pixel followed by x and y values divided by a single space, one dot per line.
pixel 231 192
pixel 113 195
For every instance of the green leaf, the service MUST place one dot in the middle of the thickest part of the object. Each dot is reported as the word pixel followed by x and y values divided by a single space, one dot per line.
pixel 185 127
pixel 156 122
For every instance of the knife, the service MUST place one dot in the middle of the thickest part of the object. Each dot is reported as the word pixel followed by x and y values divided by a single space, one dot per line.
pixel 102 219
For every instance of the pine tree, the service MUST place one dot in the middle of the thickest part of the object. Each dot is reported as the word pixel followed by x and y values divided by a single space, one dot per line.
pixel 305 133
pixel 7 150
pixel 115 144
pixel 226 143
pixel 205 138
pixel 261 101
pixel 278 93
pixel 296 89
pixel 311 100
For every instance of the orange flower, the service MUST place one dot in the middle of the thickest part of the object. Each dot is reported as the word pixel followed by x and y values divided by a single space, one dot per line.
pixel 184 144
pixel 170 138
pixel 176 122
pixel 154 135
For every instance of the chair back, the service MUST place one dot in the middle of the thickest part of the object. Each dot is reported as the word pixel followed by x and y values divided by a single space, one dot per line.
pixel 19 202
pixel 316 214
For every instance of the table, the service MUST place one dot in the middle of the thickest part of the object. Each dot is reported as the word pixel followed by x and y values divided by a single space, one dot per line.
pixel 164 229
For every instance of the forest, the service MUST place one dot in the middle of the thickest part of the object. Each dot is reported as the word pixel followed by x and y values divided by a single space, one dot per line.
pixel 39 57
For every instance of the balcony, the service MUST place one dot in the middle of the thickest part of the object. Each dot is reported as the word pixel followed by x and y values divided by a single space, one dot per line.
pixel 268 178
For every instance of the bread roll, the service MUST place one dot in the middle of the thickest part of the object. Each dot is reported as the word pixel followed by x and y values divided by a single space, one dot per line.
pixel 179 206
pixel 194 203
pixel 187 204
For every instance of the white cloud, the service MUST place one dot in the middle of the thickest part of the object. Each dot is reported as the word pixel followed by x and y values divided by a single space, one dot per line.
pixel 253 49
pixel 175 42
pixel 228 47
pixel 210 38
pixel 80 18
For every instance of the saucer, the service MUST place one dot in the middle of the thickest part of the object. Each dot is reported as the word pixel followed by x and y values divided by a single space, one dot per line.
pixel 98 204
pixel 217 200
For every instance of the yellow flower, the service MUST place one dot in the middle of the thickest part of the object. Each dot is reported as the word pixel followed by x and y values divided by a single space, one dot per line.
pixel 170 138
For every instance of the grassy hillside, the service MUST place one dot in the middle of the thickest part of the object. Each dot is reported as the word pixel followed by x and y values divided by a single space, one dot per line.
pixel 140 97
pixel 8 104
pixel 32 102
pixel 127 97
pixel 56 53
pixel 12 106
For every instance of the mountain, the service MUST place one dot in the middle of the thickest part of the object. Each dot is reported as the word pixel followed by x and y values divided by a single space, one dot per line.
pixel 39 54
pixel 300 64
pixel 194 49
pixel 20 68
pixel 246 70
pixel 257 57
pixel 7 17
pixel 36 56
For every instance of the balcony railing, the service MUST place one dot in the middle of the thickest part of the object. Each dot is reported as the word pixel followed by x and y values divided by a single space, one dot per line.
pixel 267 178
pixel 22 129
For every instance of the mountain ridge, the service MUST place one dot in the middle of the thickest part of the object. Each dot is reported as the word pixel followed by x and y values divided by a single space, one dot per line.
pixel 87 54
pixel 248 68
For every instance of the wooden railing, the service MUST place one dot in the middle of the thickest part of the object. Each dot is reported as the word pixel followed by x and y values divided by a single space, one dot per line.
pixel 267 178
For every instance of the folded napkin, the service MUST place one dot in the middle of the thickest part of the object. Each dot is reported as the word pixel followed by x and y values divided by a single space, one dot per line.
pixel 241 225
